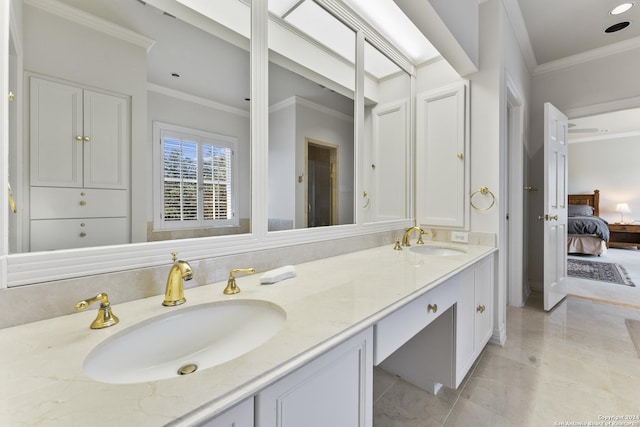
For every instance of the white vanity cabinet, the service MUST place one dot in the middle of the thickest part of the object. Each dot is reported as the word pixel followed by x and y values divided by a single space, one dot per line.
pixel 79 149
pixel 442 157
pixel 474 316
pixel 442 350
pixel 336 390
pixel 240 415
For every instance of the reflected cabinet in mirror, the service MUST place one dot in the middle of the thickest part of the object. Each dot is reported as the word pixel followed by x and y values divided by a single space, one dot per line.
pixel 135 124
pixel 387 118
pixel 311 117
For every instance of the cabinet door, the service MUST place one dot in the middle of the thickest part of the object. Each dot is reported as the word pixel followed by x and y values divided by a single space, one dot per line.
pixel 465 319
pixel 55 126
pixel 334 390
pixel 484 303
pixel 442 165
pixel 105 141
pixel 240 415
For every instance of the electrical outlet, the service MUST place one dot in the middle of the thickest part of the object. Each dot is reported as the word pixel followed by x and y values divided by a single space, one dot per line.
pixel 460 236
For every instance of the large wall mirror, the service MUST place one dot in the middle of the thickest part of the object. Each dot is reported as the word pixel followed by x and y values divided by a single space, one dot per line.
pixel 135 124
pixel 168 84
pixel 311 117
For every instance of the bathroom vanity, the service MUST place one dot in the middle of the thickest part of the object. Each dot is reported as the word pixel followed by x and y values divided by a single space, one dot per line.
pixel 423 317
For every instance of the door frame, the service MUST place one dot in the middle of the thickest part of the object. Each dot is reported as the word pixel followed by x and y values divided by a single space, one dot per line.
pixel 333 159
pixel 516 242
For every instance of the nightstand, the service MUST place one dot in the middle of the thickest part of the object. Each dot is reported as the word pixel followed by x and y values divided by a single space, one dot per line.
pixel 624 236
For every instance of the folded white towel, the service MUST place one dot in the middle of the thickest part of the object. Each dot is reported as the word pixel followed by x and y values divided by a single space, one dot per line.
pixel 278 274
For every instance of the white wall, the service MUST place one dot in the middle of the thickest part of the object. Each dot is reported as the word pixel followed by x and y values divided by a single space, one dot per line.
pixel 601 81
pixel 611 166
pixel 282 166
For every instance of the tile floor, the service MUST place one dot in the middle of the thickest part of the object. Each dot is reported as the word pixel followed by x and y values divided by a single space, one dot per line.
pixel 573 364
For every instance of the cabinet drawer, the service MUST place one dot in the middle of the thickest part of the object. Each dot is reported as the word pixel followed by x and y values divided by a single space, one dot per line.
pixel 397 328
pixel 50 234
pixel 58 202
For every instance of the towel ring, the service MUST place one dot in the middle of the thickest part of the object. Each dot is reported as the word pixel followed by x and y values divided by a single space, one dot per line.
pixel 484 191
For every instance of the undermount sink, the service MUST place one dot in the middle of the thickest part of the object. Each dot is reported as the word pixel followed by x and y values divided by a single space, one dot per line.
pixel 183 341
pixel 436 250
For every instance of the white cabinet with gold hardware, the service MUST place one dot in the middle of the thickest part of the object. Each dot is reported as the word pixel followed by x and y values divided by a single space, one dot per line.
pixel 442 147
pixel 78 137
pixel 431 349
pixel 336 389
pixel 240 415
pixel 474 316
pixel 401 325
pixel 79 150
pixel 64 218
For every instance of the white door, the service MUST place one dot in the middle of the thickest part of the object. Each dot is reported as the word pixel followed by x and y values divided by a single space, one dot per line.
pixel 555 205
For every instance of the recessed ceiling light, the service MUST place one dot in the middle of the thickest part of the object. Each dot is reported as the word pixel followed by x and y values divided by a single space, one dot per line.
pixel 617 27
pixel 621 8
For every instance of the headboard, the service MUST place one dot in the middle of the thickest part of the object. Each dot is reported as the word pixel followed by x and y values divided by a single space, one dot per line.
pixel 587 199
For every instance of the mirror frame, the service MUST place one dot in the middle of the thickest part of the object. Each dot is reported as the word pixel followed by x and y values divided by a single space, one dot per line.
pixel 31 268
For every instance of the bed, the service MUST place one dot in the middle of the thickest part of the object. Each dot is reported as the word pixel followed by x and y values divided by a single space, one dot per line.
pixel 587 232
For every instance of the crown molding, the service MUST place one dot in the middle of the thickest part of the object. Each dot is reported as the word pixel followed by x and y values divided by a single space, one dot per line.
pixel 91 21
pixel 163 90
pixel 591 55
pixel 604 136
pixel 514 14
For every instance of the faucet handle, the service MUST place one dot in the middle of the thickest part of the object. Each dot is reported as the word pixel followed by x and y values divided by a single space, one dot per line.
pixel 105 317
pixel 232 287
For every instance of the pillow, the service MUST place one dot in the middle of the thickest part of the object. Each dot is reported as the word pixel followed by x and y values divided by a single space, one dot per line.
pixel 580 210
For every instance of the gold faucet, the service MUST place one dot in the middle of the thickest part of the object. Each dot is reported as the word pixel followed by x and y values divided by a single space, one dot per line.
pixel 232 287
pixel 174 295
pixel 407 236
pixel 105 317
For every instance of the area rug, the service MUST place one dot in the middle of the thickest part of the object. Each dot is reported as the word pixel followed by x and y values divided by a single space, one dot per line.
pixel 634 331
pixel 600 271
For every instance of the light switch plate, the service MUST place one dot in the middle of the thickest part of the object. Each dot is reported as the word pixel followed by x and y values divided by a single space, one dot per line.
pixel 460 236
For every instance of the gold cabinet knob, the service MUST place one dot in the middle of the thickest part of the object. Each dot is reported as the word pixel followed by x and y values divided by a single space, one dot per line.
pixel 86 138
pixel 11 96
pixel 432 308
pixel 83 202
pixel 460 155
pixel 83 234
pixel 481 309
pixel 78 137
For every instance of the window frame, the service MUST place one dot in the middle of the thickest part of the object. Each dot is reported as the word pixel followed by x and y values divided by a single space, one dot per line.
pixel 201 138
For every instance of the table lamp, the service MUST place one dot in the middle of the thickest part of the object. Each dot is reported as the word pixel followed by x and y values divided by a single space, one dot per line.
pixel 623 208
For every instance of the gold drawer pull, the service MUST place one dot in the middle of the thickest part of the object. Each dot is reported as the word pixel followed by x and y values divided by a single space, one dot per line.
pixel 481 309
pixel 78 137
pixel 83 203
pixel 432 308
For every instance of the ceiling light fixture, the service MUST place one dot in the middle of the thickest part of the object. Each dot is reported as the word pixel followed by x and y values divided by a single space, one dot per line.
pixel 621 8
pixel 617 27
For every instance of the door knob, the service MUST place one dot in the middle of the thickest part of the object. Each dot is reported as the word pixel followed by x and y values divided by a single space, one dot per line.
pixel 555 218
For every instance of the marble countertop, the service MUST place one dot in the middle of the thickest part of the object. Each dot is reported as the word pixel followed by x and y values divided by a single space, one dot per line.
pixel 43 383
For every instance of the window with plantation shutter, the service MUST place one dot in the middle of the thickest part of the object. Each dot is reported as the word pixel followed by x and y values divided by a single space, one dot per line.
pixel 195 176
